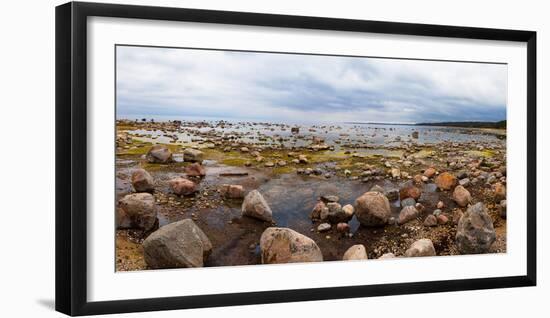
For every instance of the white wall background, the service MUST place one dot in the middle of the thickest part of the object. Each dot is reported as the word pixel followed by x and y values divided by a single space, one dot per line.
pixel 27 157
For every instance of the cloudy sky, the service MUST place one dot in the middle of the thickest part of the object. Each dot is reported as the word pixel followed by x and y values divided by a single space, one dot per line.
pixel 288 87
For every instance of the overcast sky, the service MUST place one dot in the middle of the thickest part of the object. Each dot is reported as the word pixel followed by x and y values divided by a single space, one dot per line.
pixel 288 87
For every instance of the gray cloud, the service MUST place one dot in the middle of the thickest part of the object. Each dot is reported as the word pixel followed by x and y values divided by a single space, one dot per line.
pixel 289 87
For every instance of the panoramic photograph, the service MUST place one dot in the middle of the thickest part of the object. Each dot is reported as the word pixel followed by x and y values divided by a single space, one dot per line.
pixel 231 158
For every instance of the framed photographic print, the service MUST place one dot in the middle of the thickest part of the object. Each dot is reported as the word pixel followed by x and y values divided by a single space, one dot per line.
pixel 212 158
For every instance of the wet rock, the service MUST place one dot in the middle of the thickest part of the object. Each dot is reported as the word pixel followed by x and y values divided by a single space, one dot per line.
pixel 232 191
pixel 330 198
pixel 407 214
pixel 159 154
pixel 137 211
pixel 178 244
pixel 372 209
pixel 302 159
pixel 195 170
pixel 475 233
pixel 343 227
pixel 430 220
pixel 320 209
pixel 192 155
pixel 283 245
pixel 348 210
pixel 408 202
pixel 255 206
pixel 335 213
pixel 269 164
pixel 392 194
pixel 387 256
pixel 422 247
pixel 430 172
pixel 414 134
pixel 356 252
pixel 445 181
pixel 323 227
pixel 461 196
pixel 142 181
pixel 500 191
pixel 409 192
pixel 377 188
pixel 464 182
pixel 245 149
pixel 182 186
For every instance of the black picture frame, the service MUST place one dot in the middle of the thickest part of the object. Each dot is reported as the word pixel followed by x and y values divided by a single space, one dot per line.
pixel 71 157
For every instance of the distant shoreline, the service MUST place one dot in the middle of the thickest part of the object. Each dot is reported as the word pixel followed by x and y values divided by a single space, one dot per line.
pixel 459 124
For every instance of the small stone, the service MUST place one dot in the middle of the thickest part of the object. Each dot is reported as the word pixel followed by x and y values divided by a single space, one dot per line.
pixel 408 202
pixel 356 252
pixel 442 219
pixel 323 227
pixel 422 247
pixel 343 227
pixel 430 220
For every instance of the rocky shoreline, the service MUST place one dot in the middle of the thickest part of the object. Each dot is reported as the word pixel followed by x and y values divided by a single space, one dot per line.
pixel 201 193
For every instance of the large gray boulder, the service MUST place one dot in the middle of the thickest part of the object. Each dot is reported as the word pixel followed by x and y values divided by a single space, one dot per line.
pixel 178 244
pixel 137 211
pixel 255 206
pixel 142 181
pixel 283 245
pixel 192 155
pixel 372 209
pixel 475 233
pixel 159 154
pixel 422 247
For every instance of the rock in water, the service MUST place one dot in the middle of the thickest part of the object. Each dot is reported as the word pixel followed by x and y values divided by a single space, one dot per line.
pixel 407 214
pixel 137 210
pixel 232 191
pixel 182 186
pixel 461 196
pixel 372 209
pixel 283 245
pixel 142 181
pixel 409 192
pixel 408 202
pixel 320 209
pixel 348 210
pixel 192 155
pixel 195 170
pixel 422 247
pixel 178 244
pixel 445 181
pixel 356 252
pixel 159 154
pixel 475 233
pixel 335 213
pixel 254 205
